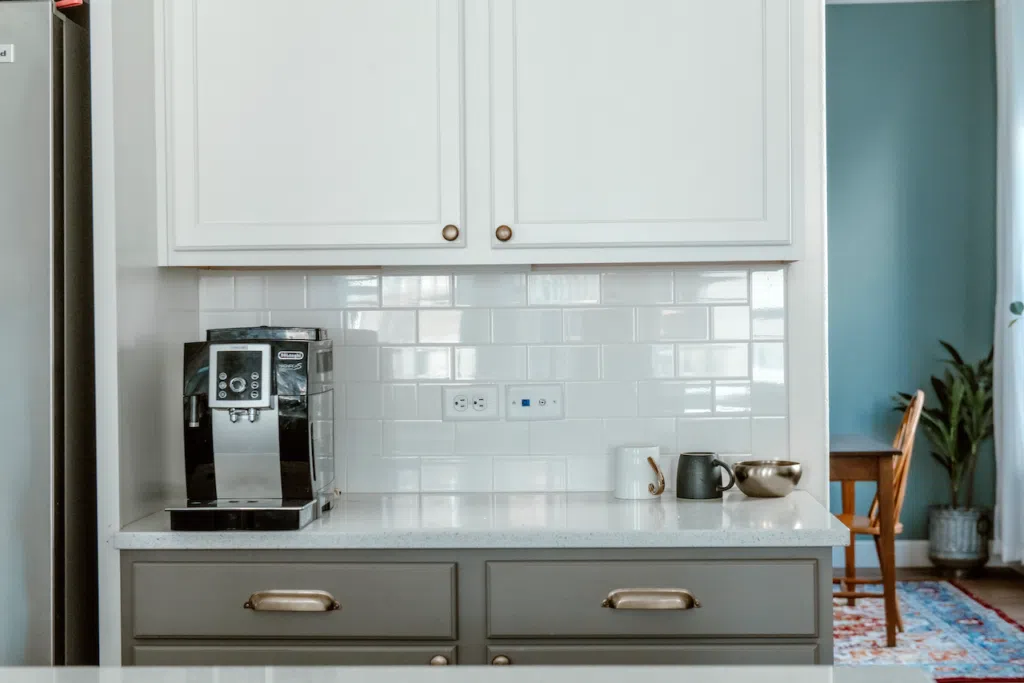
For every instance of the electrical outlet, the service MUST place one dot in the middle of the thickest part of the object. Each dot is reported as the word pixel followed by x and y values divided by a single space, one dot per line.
pixel 470 402
pixel 535 402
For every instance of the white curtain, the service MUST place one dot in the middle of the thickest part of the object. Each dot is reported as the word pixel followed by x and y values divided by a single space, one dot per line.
pixel 1009 342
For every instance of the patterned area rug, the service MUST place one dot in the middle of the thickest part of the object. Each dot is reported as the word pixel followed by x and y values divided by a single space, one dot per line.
pixel 948 632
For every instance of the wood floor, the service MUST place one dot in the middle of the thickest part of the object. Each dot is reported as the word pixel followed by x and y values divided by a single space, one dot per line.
pixel 1000 587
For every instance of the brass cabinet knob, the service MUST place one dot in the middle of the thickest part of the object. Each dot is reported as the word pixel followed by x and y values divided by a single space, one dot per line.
pixel 501 660
pixel 450 233
pixel 503 233
pixel 438 660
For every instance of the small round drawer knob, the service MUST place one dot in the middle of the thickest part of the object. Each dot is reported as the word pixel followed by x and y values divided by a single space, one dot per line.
pixel 450 233
pixel 501 660
pixel 438 660
pixel 503 233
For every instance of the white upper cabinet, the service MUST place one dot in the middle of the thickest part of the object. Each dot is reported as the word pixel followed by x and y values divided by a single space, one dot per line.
pixel 313 124
pixel 333 132
pixel 655 122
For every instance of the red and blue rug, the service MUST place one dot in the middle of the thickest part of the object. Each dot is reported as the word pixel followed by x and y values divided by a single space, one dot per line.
pixel 949 633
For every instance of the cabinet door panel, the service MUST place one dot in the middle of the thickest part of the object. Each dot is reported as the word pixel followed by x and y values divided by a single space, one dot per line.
pixel 319 123
pixel 704 655
pixel 641 123
pixel 285 655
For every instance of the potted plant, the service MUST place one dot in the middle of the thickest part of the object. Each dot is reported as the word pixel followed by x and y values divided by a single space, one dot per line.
pixel 958 533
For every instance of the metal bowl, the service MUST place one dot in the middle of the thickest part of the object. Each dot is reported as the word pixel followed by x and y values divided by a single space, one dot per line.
pixel 767 478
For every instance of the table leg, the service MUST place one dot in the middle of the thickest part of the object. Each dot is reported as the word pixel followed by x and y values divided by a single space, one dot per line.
pixel 849 499
pixel 887 541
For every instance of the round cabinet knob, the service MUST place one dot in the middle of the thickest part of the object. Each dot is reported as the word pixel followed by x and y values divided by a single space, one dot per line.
pixel 450 233
pixel 503 233
pixel 501 660
pixel 438 660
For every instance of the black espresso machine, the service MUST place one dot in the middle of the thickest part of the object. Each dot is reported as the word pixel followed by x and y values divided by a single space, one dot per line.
pixel 258 412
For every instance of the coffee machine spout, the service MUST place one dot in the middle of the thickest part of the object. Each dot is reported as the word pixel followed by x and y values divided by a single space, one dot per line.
pixel 254 414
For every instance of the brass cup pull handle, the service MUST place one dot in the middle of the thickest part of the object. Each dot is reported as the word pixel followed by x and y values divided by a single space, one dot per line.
pixel 501 660
pixel 292 601
pixel 650 599
pixel 660 488
pixel 439 660
pixel 503 233
pixel 450 232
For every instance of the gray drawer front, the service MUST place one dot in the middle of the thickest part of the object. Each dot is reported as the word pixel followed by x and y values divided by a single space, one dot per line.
pixel 205 600
pixel 738 598
pixel 767 655
pixel 247 655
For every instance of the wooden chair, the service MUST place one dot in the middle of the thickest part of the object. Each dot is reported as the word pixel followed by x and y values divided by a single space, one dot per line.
pixel 869 525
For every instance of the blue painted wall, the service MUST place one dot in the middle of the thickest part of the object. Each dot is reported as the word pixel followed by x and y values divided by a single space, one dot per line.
pixel 911 210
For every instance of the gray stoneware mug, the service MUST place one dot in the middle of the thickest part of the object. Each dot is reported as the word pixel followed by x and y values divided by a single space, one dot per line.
pixel 697 478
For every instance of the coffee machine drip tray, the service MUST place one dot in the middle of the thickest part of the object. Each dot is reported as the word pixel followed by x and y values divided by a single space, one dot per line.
pixel 266 514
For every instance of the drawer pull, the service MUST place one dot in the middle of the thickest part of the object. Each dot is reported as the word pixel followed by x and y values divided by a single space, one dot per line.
pixel 439 660
pixel 650 598
pixel 292 601
pixel 501 660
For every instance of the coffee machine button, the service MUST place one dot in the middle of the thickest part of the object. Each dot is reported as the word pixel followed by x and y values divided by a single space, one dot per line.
pixel 255 385
pixel 222 385
pixel 222 394
pixel 237 384
pixel 255 394
pixel 222 375
pixel 255 375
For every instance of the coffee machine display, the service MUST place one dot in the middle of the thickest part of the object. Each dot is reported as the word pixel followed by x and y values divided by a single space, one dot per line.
pixel 258 413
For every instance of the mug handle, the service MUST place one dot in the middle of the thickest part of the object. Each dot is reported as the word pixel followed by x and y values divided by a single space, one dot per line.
pixel 728 470
pixel 660 488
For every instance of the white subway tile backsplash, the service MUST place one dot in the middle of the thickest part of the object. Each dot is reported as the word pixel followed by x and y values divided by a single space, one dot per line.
pixel 529 473
pixel 489 290
pixel 490 363
pixel 526 326
pixel 694 286
pixel 715 434
pixel 412 362
pixel 713 360
pixel 418 438
pixel 598 325
pixel 637 361
pixel 730 322
pixel 691 358
pixel 567 437
pixel 337 290
pixel 380 327
pixel 564 289
pixel 675 399
pixel 455 326
pixel 492 438
pixel 416 291
pixel 285 290
pixel 547 363
pixel 637 286
pixel 689 323
pixel 600 399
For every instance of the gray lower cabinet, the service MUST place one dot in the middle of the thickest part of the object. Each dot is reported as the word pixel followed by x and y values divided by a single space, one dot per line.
pixel 471 606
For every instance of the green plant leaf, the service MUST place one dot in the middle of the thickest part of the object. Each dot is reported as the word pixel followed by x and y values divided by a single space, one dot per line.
pixel 1017 307
pixel 954 354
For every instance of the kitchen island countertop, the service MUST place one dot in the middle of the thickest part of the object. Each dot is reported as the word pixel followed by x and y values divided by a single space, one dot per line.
pixel 522 520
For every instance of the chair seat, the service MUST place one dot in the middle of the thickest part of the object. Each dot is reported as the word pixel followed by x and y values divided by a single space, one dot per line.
pixel 861 524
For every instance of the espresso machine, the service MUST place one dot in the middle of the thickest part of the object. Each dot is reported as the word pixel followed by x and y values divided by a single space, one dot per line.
pixel 258 412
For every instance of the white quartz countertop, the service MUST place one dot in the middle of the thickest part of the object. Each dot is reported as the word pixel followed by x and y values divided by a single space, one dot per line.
pixel 522 520
pixel 470 674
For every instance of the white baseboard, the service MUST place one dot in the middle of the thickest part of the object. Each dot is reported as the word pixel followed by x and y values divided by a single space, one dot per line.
pixel 908 554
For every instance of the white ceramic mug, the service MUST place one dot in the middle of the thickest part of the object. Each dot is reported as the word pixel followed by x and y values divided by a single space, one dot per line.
pixel 637 475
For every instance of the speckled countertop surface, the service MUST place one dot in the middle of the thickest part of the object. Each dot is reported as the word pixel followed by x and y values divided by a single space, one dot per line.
pixel 523 520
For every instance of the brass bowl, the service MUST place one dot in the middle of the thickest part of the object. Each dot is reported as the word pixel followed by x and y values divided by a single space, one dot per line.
pixel 767 478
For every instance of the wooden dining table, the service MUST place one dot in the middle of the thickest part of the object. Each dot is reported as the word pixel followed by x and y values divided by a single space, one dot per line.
pixel 854 458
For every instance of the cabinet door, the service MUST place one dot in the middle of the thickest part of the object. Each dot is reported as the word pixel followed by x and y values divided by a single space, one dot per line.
pixel 322 123
pixel 643 122
pixel 715 655
pixel 286 655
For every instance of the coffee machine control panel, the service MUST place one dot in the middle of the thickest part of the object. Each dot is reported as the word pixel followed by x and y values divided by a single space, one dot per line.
pixel 239 376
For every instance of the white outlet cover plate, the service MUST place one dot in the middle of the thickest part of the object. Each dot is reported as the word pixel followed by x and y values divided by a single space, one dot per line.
pixel 534 402
pixel 488 392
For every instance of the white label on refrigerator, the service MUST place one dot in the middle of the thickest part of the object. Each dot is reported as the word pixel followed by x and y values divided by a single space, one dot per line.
pixel 6 53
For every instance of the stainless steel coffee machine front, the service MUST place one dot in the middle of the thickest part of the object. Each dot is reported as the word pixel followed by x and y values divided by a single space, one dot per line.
pixel 258 409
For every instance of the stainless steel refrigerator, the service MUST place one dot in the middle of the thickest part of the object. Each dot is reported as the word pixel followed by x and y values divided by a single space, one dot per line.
pixel 47 443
